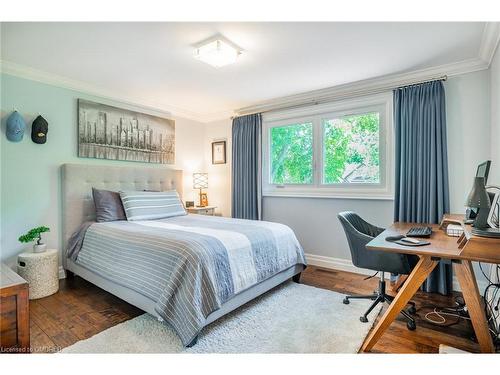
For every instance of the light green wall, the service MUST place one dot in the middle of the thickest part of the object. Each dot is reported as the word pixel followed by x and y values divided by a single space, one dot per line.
pixel 30 177
pixel 468 131
pixel 495 120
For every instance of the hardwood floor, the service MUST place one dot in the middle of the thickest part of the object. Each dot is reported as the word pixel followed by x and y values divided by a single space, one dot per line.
pixel 79 310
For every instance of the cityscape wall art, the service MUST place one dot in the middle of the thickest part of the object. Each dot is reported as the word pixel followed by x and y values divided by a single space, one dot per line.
pixel 106 132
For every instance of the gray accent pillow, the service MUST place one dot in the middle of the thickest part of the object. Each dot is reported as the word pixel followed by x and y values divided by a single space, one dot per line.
pixel 147 205
pixel 108 205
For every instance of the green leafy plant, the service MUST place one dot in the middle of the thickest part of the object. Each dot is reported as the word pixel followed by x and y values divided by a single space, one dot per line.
pixel 34 234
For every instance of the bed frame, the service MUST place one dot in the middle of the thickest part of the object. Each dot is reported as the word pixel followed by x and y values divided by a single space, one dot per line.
pixel 78 207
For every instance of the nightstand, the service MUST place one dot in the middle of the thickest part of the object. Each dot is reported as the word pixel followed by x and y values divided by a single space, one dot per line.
pixel 207 210
pixel 41 271
pixel 14 312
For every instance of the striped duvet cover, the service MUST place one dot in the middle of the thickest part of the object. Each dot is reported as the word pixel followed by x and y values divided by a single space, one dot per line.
pixel 190 265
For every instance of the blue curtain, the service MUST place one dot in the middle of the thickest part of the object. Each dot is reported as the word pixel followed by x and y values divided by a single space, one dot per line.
pixel 422 193
pixel 246 158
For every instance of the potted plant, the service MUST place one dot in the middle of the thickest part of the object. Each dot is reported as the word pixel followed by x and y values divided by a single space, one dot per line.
pixel 35 234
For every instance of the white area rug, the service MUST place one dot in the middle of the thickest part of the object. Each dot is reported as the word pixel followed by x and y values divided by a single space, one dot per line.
pixel 292 318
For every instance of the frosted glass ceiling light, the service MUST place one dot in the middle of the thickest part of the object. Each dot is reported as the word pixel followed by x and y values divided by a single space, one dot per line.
pixel 217 53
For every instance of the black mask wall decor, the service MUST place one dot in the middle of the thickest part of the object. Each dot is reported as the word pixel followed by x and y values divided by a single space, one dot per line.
pixel 39 130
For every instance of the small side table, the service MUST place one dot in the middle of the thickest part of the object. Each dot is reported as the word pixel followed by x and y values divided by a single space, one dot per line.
pixel 41 271
pixel 207 210
pixel 14 312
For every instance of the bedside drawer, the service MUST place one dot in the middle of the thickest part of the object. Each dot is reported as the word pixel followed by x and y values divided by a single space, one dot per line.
pixel 209 210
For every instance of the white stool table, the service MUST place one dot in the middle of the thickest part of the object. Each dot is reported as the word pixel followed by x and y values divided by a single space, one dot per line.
pixel 41 271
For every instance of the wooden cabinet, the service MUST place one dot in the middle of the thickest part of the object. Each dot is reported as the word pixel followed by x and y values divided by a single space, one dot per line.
pixel 14 312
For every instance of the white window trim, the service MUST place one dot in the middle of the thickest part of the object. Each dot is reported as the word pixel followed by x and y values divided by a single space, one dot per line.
pixel 316 114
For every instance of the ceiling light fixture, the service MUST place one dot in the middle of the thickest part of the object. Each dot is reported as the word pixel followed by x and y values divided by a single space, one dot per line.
pixel 217 52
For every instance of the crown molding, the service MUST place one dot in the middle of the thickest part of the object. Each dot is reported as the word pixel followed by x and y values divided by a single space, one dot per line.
pixel 367 86
pixel 489 41
pixel 22 71
pixel 217 116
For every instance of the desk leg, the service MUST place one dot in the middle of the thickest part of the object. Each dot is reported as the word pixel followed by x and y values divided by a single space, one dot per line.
pixel 472 297
pixel 423 268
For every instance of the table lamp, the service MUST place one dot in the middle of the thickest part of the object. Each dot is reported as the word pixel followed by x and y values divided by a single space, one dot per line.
pixel 200 181
pixel 478 198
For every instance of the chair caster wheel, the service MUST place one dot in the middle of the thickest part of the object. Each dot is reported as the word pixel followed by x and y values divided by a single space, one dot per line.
pixel 363 319
pixel 412 310
pixel 411 326
pixel 345 301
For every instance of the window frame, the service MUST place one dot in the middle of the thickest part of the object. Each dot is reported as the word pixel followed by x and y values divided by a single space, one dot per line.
pixel 317 115
pixel 283 123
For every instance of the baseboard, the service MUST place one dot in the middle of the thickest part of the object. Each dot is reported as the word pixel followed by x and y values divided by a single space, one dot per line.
pixel 62 273
pixel 341 264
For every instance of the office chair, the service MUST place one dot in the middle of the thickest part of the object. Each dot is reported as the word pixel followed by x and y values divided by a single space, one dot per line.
pixel 359 233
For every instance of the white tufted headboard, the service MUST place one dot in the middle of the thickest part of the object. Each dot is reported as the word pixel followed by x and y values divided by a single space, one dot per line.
pixel 79 179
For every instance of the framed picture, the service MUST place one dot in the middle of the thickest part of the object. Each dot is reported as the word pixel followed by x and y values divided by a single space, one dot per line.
pixel 107 132
pixel 219 152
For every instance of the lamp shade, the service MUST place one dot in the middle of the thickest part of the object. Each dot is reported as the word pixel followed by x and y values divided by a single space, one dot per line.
pixel 200 180
pixel 478 196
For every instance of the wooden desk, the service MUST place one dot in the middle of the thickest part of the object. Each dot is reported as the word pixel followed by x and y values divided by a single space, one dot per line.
pixel 462 251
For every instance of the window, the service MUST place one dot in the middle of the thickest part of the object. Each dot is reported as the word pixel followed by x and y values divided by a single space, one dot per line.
pixel 351 149
pixel 335 150
pixel 292 154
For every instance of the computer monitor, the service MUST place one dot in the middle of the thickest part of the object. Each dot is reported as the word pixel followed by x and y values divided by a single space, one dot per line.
pixel 483 170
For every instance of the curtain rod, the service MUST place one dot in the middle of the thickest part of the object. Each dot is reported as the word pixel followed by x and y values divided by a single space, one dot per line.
pixel 442 78
pixel 352 94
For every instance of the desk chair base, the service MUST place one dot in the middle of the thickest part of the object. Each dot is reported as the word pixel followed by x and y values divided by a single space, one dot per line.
pixel 380 296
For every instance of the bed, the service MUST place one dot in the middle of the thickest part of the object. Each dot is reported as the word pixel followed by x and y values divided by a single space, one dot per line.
pixel 109 256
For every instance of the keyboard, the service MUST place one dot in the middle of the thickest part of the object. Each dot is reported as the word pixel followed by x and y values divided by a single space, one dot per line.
pixel 419 232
